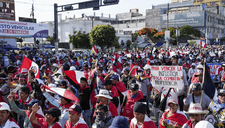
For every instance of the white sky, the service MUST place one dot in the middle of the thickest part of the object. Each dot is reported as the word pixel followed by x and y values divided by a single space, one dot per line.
pixel 43 9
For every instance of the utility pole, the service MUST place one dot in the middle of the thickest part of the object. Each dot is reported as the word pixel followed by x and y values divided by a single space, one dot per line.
pixel 167 24
pixel 32 14
pixel 56 27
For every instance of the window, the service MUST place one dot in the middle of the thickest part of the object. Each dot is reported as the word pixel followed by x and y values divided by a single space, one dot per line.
pixel 74 29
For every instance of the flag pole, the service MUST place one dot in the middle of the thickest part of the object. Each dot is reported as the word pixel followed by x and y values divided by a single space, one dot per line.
pixel 203 79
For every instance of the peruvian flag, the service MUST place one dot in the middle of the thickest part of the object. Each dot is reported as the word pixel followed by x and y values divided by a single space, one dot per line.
pixel 63 92
pixel 74 77
pixel 134 72
pixel 94 50
pixel 203 42
pixel 30 65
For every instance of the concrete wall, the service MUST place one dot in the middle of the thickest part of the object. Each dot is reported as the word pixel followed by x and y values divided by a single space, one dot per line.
pixel 153 18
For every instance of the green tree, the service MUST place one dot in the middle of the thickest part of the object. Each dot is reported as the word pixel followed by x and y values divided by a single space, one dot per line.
pixel 116 43
pixel 51 40
pixel 128 43
pixel 80 40
pixel 19 39
pixel 122 43
pixel 103 35
pixel 188 30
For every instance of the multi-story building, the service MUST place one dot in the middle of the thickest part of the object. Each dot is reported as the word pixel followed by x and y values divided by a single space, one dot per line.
pixel 210 20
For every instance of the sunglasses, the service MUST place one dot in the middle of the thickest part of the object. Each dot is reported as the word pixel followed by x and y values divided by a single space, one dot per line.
pixel 222 95
pixel 99 113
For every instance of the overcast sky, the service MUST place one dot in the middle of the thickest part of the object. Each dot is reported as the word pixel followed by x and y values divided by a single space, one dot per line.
pixel 43 9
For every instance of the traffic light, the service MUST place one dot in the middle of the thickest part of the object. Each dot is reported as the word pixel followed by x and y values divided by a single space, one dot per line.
pixel 111 1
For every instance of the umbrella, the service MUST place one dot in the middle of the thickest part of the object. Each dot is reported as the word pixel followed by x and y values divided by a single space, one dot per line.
pixel 63 92
pixel 10 47
pixel 159 44
pixel 26 48
pixel 149 44
pixel 48 46
pixel 141 42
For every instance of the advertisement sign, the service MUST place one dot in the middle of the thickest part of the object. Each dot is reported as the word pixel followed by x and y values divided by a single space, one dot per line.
pixel 213 68
pixel 23 29
pixel 7 10
pixel 167 76
pixel 194 19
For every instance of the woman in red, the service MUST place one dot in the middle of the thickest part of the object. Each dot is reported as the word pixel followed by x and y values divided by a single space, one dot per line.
pixel 172 118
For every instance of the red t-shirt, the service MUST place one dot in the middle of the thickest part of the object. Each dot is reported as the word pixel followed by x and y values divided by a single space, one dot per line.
pixel 44 124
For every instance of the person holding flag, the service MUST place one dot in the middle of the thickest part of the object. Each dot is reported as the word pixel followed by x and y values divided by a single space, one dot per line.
pixel 64 104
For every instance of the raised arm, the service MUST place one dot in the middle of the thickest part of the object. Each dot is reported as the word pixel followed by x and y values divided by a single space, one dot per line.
pixel 32 117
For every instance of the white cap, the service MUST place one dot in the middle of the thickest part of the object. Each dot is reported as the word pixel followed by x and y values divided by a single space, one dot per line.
pixel 72 68
pixel 104 93
pixel 200 66
pixel 4 106
pixel 24 71
pixel 204 124
pixel 193 64
pixel 147 66
pixel 55 65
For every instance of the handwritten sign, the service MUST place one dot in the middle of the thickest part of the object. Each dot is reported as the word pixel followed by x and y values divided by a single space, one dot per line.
pixel 167 76
pixel 213 67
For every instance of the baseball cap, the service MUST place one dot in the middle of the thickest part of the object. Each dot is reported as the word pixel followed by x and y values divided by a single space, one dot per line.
pixel 108 82
pixel 119 122
pixel 172 101
pixel 133 86
pixel 221 91
pixel 55 112
pixel 75 109
pixel 4 106
pixel 32 102
pixel 115 77
pixel 196 86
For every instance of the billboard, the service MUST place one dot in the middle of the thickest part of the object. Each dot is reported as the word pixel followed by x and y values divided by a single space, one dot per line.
pixel 7 9
pixel 194 19
pixel 23 29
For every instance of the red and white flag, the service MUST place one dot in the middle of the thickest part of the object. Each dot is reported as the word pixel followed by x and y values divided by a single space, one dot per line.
pixel 63 92
pixel 134 72
pixel 94 50
pixel 30 65
pixel 76 75
pixel 203 42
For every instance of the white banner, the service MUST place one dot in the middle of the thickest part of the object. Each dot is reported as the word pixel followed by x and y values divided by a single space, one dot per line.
pixel 23 29
pixel 167 76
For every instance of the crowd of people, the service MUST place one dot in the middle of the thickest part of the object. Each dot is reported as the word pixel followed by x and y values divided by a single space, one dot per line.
pixel 114 92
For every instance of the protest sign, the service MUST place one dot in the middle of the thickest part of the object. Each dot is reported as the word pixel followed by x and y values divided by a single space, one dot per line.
pixel 167 76
pixel 213 68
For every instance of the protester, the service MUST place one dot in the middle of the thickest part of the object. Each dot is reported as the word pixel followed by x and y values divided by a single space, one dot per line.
pixel 102 120
pixel 133 95
pixel 197 96
pixel 50 120
pixel 140 119
pixel 172 117
pixel 6 121
pixel 196 114
pixel 75 119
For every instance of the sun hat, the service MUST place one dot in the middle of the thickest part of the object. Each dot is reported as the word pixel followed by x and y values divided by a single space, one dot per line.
pixel 204 124
pixel 196 108
pixel 104 93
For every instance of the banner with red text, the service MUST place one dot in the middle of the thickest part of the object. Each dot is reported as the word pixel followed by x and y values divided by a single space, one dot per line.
pixel 213 67
pixel 167 76
pixel 23 29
